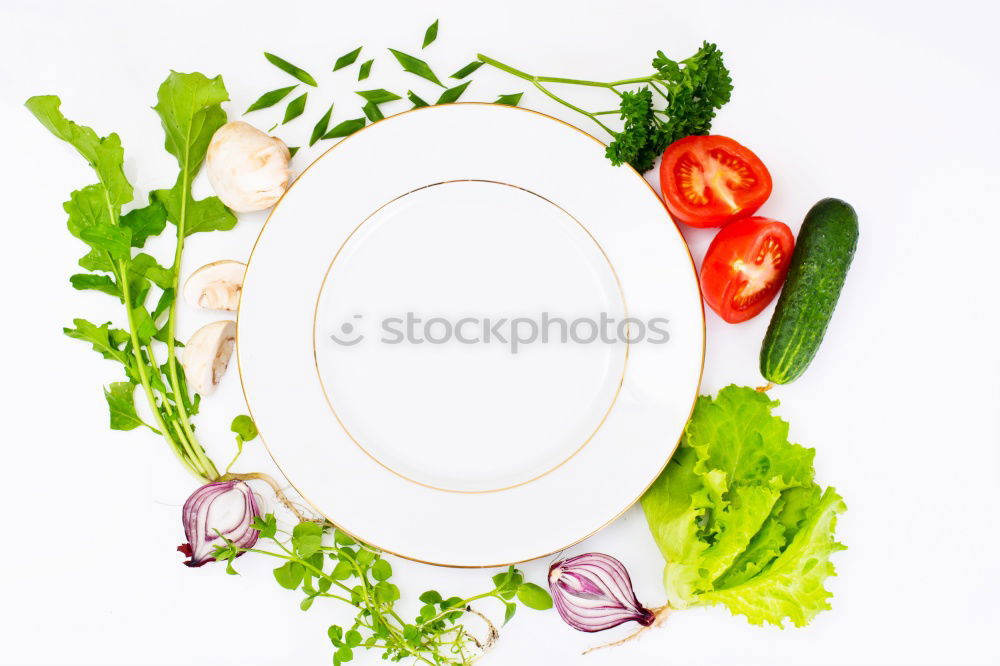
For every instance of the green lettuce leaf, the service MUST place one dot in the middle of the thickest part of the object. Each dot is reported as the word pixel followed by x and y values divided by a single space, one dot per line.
pixel 792 586
pixel 675 506
pixel 736 433
pixel 731 512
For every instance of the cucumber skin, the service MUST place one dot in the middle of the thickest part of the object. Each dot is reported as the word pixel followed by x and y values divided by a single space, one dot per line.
pixel 816 274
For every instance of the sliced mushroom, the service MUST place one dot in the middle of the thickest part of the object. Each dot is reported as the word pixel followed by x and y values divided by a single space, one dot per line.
pixel 216 286
pixel 206 355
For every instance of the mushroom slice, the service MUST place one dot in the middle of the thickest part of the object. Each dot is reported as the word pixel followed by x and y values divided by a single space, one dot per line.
pixel 216 286
pixel 206 355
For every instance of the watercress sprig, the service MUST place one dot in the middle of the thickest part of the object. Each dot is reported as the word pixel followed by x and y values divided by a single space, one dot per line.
pixel 346 570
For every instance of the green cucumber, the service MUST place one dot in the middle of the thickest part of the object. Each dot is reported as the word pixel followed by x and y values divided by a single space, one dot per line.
pixel 816 273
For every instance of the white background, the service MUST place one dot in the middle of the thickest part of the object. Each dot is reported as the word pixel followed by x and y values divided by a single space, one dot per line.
pixel 891 106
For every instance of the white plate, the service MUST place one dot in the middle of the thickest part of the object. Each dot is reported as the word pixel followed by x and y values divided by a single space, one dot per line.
pixel 450 444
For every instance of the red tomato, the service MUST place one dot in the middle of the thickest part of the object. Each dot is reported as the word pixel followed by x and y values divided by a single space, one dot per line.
pixel 745 266
pixel 709 181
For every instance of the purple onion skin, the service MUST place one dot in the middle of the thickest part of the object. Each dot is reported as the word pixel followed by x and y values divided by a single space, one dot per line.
pixel 203 537
pixel 593 592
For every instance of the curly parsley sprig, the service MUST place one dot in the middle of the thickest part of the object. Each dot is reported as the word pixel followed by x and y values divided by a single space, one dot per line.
pixel 691 91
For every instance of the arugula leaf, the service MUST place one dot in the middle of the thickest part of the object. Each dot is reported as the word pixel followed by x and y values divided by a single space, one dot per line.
pixel 468 69
pixel 145 327
pixel 94 222
pixel 144 222
pixel 295 108
pixel 347 59
pixel 431 34
pixel 105 155
pixel 738 517
pixel 415 66
pixel 165 301
pixel 452 94
pixel 510 100
pixel 101 283
pixel 366 69
pixel 208 214
pixel 96 260
pixel 271 98
pixel 378 96
pixel 287 67
pixel 190 110
pixel 87 207
pixel 114 240
pixel 145 266
pixel 106 341
pixel 319 129
pixel 121 405
pixel 345 128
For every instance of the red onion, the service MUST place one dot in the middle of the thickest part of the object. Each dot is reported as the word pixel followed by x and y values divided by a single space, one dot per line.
pixel 593 592
pixel 227 508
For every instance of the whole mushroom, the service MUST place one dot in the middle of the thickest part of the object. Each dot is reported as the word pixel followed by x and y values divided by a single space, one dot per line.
pixel 247 168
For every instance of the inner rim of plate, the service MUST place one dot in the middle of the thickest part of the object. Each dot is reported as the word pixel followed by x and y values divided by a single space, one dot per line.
pixel 413 398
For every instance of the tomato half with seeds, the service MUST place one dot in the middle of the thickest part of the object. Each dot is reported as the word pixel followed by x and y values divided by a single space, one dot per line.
pixel 709 181
pixel 745 267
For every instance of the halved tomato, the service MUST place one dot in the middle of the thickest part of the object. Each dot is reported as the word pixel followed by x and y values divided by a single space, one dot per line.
pixel 745 266
pixel 709 181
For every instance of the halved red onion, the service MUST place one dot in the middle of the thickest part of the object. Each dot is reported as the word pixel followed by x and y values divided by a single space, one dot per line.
pixel 224 508
pixel 593 592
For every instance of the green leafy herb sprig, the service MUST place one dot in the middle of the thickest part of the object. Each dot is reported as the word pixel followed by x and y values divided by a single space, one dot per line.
pixel 690 92
pixel 190 110
pixel 346 570
pixel 371 110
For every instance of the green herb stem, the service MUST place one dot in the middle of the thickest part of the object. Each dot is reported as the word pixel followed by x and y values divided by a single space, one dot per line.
pixel 180 391
pixel 193 465
pixel 537 81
